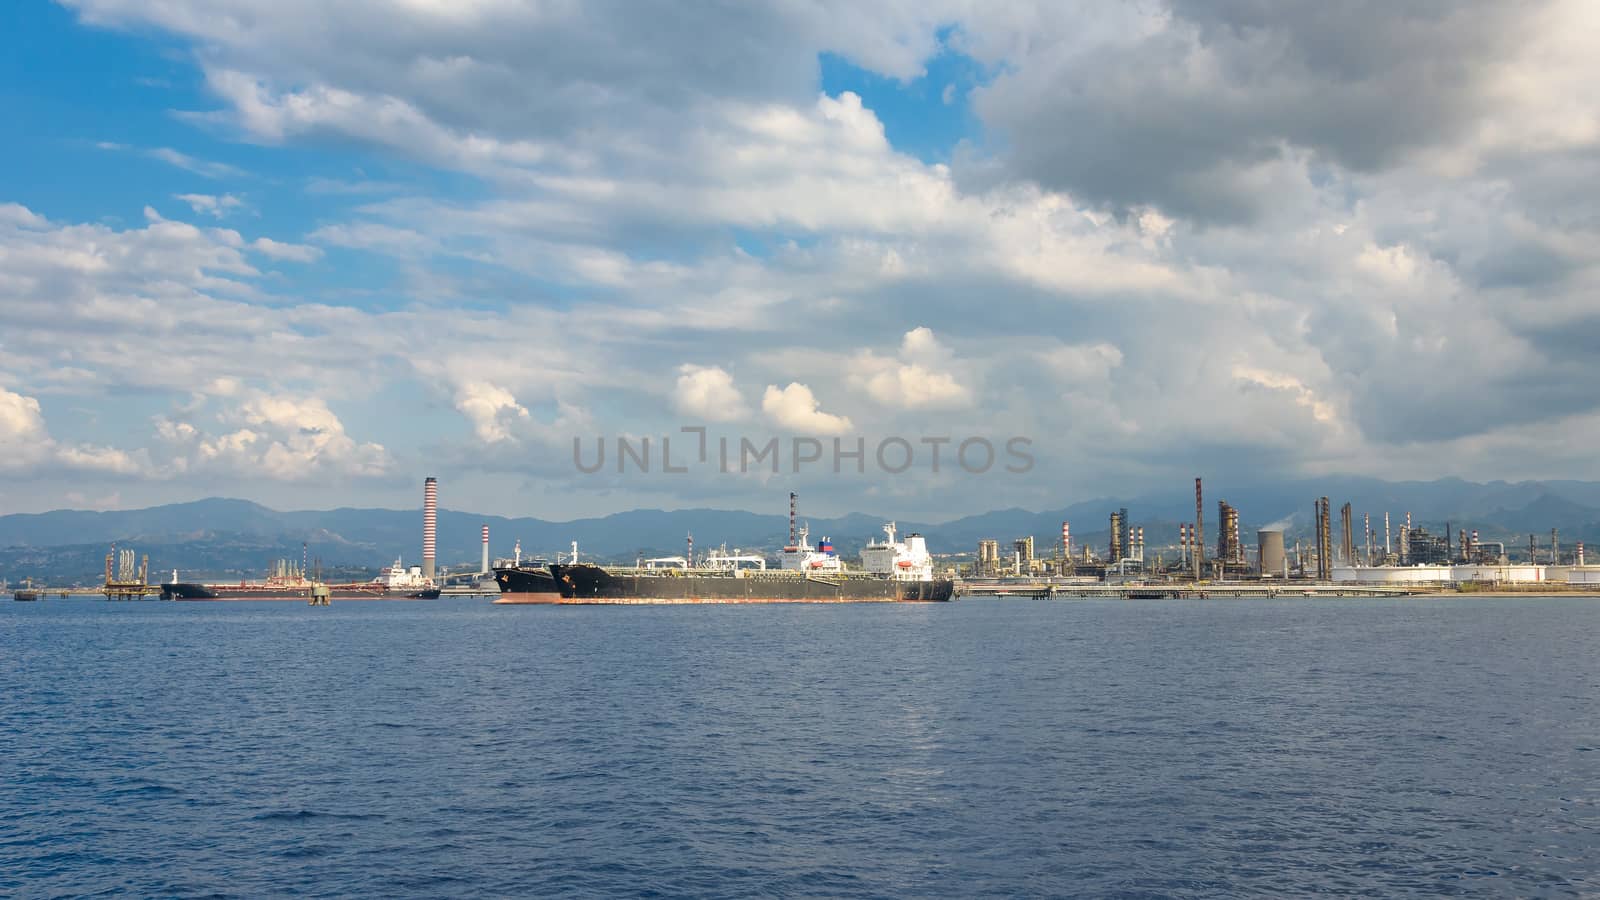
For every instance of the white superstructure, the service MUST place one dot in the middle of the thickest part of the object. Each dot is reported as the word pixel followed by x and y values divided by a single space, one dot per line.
pixel 722 561
pixel 906 560
pixel 399 577
pixel 802 557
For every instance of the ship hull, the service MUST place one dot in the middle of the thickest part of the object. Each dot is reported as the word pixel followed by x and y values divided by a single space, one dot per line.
pixel 590 584
pixel 525 585
pixel 186 590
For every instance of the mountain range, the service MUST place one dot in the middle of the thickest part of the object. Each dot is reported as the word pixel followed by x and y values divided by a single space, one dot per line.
pixel 222 537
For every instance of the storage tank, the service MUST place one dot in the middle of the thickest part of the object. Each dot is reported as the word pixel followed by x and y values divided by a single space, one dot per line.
pixel 1392 574
pixel 1274 562
pixel 1583 574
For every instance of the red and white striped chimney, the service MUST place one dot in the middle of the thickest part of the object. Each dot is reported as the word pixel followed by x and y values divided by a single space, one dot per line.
pixel 485 569
pixel 430 525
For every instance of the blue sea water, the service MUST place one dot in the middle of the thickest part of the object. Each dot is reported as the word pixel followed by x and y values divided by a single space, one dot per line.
pixel 981 748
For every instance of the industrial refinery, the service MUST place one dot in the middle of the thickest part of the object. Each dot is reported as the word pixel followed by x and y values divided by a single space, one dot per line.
pixel 1212 552
pixel 1377 551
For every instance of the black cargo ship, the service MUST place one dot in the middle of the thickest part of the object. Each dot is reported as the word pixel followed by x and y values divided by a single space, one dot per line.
pixel 526 584
pixel 586 583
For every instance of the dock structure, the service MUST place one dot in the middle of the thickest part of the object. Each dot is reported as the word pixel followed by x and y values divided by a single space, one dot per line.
pixel 124 580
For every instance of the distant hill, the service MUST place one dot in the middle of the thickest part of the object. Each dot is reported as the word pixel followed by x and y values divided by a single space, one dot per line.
pixel 227 537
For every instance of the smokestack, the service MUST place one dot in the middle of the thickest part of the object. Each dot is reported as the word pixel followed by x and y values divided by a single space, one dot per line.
pixel 517 562
pixel 430 524
pixel 1324 539
pixel 1199 540
pixel 1578 560
pixel 689 557
pixel 1066 542
pixel 792 500
pixel 1347 546
pixel 1386 548
pixel 484 569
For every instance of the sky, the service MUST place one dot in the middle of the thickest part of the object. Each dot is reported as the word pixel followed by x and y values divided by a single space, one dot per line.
pixel 1016 254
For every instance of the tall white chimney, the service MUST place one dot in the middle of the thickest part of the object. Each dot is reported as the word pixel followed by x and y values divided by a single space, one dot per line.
pixel 430 525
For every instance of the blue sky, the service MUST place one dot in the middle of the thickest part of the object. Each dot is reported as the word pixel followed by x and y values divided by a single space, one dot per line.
pixel 307 253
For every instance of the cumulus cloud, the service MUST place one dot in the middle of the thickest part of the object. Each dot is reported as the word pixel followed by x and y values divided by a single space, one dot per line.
pixel 101 459
pixel 708 394
pixel 1203 109
pixel 272 436
pixel 26 444
pixel 23 438
pixel 1261 225
pixel 917 379
pixel 492 409
pixel 795 408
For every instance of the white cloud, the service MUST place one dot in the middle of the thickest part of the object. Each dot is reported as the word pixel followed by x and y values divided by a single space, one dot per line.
pixel 288 252
pixel 213 205
pixel 1082 362
pixel 202 167
pixel 273 436
pixel 614 163
pixel 23 438
pixel 708 394
pixel 795 408
pixel 493 410
pixel 26 444
pixel 101 459
pixel 918 379
pixel 376 237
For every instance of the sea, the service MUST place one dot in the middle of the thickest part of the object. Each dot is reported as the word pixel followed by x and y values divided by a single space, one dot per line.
pixel 983 748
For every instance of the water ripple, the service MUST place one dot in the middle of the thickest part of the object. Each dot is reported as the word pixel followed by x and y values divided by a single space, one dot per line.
pixel 985 748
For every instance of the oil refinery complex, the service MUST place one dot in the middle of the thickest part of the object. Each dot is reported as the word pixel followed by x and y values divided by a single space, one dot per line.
pixel 1380 555
pixel 1373 554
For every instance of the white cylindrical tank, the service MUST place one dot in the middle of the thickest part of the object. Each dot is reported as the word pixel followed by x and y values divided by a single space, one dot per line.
pixel 1391 574
pixel 1499 574
pixel 1583 574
